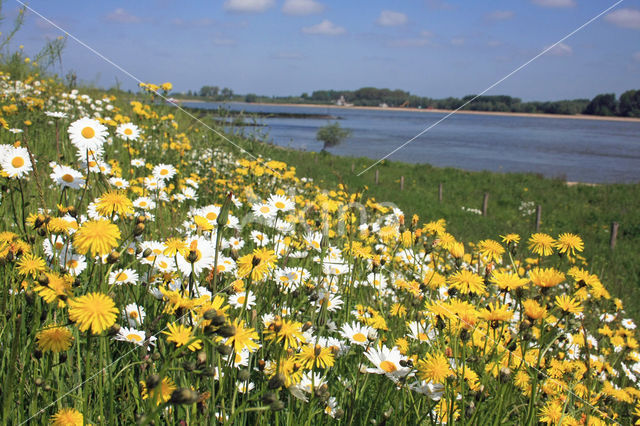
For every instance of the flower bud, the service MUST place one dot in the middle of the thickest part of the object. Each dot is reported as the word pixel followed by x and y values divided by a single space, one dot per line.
pixel 224 349
pixel 277 405
pixel 276 382
pixel 138 230
pixel 113 257
pixel 227 330
pixel 244 375
pixel 152 381
pixel 184 396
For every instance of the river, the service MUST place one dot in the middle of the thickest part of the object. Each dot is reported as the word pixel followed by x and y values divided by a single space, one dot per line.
pixel 592 151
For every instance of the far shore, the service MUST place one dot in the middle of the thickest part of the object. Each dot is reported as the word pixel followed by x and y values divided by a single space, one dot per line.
pixel 440 111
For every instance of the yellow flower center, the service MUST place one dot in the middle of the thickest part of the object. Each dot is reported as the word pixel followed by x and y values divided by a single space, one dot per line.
pixel 134 337
pixel 212 216
pixel 164 172
pixel 359 337
pixel 88 132
pixel 422 337
pixel 72 264
pixel 67 178
pixel 280 205
pixel 241 299
pixel 143 203
pixel 388 366
pixel 128 131
pixel 133 314
pixel 121 277
pixel 264 209
pixel 17 162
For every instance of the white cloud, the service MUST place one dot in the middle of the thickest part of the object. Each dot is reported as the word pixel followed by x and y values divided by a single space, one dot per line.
pixel 500 15
pixel 325 27
pixel 248 6
pixel 390 18
pixel 555 3
pixel 121 16
pixel 560 49
pixel 636 56
pixel 301 7
pixel 624 18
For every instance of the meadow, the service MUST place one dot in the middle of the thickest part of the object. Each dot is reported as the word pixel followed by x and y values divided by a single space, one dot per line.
pixel 153 273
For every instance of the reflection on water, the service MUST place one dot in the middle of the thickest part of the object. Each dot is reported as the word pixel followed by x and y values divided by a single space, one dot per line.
pixel 580 150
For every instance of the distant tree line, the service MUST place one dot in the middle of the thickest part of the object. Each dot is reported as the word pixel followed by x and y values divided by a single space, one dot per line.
pixel 628 105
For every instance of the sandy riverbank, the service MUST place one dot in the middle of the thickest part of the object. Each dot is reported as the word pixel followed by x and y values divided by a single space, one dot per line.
pixel 445 111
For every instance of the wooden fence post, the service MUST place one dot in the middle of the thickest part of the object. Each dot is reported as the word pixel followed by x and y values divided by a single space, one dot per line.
pixel 401 183
pixel 440 192
pixel 485 204
pixel 377 176
pixel 614 235
pixel 538 217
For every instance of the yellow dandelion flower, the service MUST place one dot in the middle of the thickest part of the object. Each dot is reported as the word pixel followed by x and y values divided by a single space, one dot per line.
pixel 257 264
pixel 315 356
pixel 434 368
pixel 510 238
pixel 54 339
pixel 98 236
pixel 94 310
pixel 569 244
pixel 467 282
pixel 507 281
pixel 288 332
pixel 182 335
pixel 546 277
pixel 541 244
pixel 175 246
pixel 114 202
pixel 533 310
pixel 30 264
pixel 491 250
pixel 242 337
pixel 161 393
pixel 568 304
pixel 67 417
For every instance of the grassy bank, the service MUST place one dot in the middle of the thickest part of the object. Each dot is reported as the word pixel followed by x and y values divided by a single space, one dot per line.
pixel 587 210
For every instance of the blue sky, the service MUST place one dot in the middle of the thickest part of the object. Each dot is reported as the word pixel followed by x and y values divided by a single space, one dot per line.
pixel 433 48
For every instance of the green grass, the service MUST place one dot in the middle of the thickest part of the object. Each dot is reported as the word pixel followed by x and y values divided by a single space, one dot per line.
pixel 582 209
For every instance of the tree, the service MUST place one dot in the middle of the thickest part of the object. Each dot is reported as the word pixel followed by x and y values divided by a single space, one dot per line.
pixel 332 135
pixel 604 104
pixel 630 103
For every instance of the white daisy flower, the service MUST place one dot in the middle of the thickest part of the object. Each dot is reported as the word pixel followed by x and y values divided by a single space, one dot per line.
pixel 144 203
pixel 356 333
pixel 66 177
pixel 238 300
pixel 15 162
pixel 119 182
pixel 134 314
pixel 87 134
pixel 123 276
pixel 164 171
pixel 128 131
